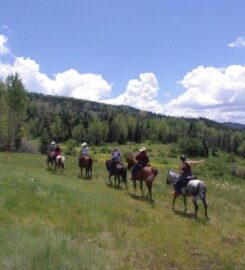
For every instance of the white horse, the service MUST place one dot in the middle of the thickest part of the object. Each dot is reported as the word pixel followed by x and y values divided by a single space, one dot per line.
pixel 60 163
pixel 195 188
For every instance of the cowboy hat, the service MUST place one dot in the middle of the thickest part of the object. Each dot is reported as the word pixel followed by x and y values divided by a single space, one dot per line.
pixel 84 144
pixel 142 149
pixel 52 142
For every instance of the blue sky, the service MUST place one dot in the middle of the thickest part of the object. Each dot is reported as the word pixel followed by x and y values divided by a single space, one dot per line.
pixel 173 57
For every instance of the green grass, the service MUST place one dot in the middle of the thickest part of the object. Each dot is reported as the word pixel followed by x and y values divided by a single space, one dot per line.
pixel 54 221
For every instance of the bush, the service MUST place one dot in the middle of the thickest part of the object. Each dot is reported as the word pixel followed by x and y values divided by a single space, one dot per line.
pixel 105 150
pixel 173 153
pixel 70 147
pixel 231 158
pixel 192 147
pixel 238 171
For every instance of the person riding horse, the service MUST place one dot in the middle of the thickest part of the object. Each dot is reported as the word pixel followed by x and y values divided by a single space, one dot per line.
pixel 52 147
pixel 142 160
pixel 185 174
pixel 84 151
pixel 85 161
pixel 57 152
pixel 115 158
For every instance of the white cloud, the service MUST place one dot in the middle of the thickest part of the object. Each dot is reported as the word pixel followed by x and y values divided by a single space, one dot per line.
pixel 67 83
pixel 3 47
pixel 239 42
pixel 140 94
pixel 215 93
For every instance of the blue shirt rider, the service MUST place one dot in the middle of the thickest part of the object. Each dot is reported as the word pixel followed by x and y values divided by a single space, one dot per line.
pixel 115 157
pixel 52 148
pixel 185 172
pixel 84 149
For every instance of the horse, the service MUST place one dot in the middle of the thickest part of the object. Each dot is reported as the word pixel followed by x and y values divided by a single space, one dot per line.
pixel 50 160
pixel 87 163
pixel 195 188
pixel 146 174
pixel 119 171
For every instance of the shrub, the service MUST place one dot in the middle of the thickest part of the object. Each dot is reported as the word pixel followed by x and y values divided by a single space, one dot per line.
pixel 105 150
pixel 192 147
pixel 70 147
pixel 238 171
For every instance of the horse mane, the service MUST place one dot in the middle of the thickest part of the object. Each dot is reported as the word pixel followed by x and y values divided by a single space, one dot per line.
pixel 172 173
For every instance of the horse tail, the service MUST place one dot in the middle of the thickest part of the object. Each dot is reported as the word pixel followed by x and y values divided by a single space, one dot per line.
pixel 155 171
pixel 201 190
pixel 90 164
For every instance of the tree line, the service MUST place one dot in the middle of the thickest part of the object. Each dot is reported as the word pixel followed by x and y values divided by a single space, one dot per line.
pixel 60 118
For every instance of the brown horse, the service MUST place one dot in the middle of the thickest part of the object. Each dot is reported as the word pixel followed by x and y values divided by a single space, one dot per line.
pixel 119 171
pixel 50 160
pixel 87 163
pixel 146 174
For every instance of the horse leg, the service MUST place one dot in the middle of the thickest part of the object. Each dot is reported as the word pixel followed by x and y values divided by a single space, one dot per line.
pixel 203 198
pixel 126 185
pixel 110 179
pixel 141 188
pixel 115 180
pixel 149 185
pixel 184 200
pixel 174 198
pixel 196 207
pixel 118 180
pixel 134 186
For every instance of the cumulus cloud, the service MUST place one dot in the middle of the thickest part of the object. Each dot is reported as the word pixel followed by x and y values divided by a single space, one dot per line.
pixel 3 45
pixel 238 43
pixel 215 93
pixel 67 83
pixel 140 93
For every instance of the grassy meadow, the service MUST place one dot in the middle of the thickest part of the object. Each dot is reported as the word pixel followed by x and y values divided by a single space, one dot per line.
pixel 53 221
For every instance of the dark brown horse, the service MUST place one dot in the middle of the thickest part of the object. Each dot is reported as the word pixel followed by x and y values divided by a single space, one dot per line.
pixel 119 171
pixel 145 174
pixel 87 163
pixel 50 160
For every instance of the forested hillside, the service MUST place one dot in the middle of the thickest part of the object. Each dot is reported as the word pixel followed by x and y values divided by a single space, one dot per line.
pixel 63 119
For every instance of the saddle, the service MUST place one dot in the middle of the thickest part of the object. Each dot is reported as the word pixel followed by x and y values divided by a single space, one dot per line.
pixel 188 179
pixel 191 177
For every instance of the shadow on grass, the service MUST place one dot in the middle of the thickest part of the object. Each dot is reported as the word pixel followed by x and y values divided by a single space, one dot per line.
pixel 56 172
pixel 141 198
pixel 184 214
pixel 116 187
pixel 201 220
pixel 84 178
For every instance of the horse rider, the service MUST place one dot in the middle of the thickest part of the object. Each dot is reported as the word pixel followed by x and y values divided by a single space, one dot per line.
pixel 57 151
pixel 185 173
pixel 115 158
pixel 84 150
pixel 52 146
pixel 142 160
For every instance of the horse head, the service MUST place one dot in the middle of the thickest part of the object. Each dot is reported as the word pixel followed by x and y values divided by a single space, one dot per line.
pixel 171 177
pixel 130 161
pixel 107 164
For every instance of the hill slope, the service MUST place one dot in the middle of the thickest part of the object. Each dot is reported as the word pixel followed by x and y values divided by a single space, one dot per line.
pixel 54 221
